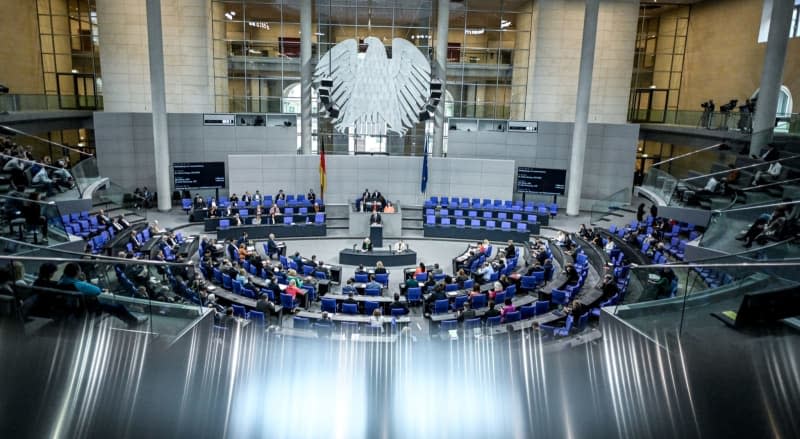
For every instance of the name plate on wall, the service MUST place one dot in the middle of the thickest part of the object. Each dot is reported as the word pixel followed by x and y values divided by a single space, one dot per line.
pixel 521 126
pixel 219 119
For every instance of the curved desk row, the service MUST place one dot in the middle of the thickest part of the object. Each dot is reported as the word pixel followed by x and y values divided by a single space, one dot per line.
pixel 475 234
pixel 263 231
pixel 388 258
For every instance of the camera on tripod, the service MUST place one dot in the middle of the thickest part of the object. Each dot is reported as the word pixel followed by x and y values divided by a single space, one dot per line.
pixel 727 108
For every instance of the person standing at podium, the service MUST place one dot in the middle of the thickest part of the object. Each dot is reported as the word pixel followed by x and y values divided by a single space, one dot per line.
pixel 375 218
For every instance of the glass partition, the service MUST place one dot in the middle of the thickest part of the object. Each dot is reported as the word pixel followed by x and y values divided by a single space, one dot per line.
pixel 28 220
pixel 660 183
pixel 156 298
pixel 682 296
pixel 732 230
pixel 608 206
pixel 86 173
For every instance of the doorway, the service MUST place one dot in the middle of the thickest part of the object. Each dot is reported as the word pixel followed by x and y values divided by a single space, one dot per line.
pixel 76 91
pixel 649 105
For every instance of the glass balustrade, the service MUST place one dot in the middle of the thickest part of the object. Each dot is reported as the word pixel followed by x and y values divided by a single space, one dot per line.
pixel 727 230
pixel 678 297
pixel 156 298
pixel 606 209
pixel 26 220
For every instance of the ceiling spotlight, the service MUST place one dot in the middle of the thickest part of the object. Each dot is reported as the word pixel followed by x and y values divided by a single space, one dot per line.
pixel 505 24
pixel 474 31
pixel 230 14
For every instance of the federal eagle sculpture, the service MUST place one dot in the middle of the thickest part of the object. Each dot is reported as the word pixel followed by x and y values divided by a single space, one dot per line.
pixel 372 91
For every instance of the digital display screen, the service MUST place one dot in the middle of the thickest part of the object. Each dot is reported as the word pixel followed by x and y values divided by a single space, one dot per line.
pixel 199 175
pixel 541 180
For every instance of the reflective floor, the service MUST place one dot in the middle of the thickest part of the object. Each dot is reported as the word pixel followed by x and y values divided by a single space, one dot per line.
pixel 101 382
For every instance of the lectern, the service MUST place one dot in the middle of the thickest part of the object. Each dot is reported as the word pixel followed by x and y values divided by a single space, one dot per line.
pixel 376 235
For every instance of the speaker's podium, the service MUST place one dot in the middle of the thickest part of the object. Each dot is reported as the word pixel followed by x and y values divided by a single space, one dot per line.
pixel 376 235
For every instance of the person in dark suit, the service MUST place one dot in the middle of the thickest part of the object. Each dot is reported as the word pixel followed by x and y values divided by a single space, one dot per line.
pixel 272 246
pixel 280 195
pixel 366 245
pixel 311 196
pixel 123 222
pixel 362 202
pixel 492 311
pixel 397 304
pixel 375 218
pixel 349 300
pixel 379 268
pixel 134 241
pixel 438 294
pixel 466 313
pixel 102 218
pixel 770 153
pixel 246 198
pixel 511 251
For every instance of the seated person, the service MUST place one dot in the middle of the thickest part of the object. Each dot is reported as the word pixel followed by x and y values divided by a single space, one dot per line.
pixel 389 208
pixel 71 280
pixel 362 201
pixel 376 320
pixel 199 202
pixel 484 274
pixel 379 268
pixel 491 312
pixel 311 196
pixel 372 284
pixel 274 212
pixel 295 291
pixel 256 221
pixel 280 195
pixel 573 277
pixel 772 173
pixel 134 241
pixel 507 308
pixel 510 251
pixel 348 288
pixel 438 294
pixel 400 246
pixel 397 304
pixel 366 245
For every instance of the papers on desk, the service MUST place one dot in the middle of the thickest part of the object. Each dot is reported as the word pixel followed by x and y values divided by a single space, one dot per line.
pixel 653 278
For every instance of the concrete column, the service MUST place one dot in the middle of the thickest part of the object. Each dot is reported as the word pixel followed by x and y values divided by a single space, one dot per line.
pixel 440 70
pixel 159 102
pixel 306 34
pixel 582 108
pixel 771 74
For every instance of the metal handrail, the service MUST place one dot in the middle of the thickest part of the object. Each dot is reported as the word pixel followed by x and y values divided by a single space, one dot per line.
pixel 794 262
pixel 33 162
pixel 770 184
pixel 83 256
pixel 14 130
pixel 28 200
pixel 762 206
pixel 688 154
pixel 753 165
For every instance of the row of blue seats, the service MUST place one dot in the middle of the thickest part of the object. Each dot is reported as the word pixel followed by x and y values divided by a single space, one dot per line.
pixel 223 202
pixel 487 215
pixel 486 203
pixel 476 223
pixel 319 218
